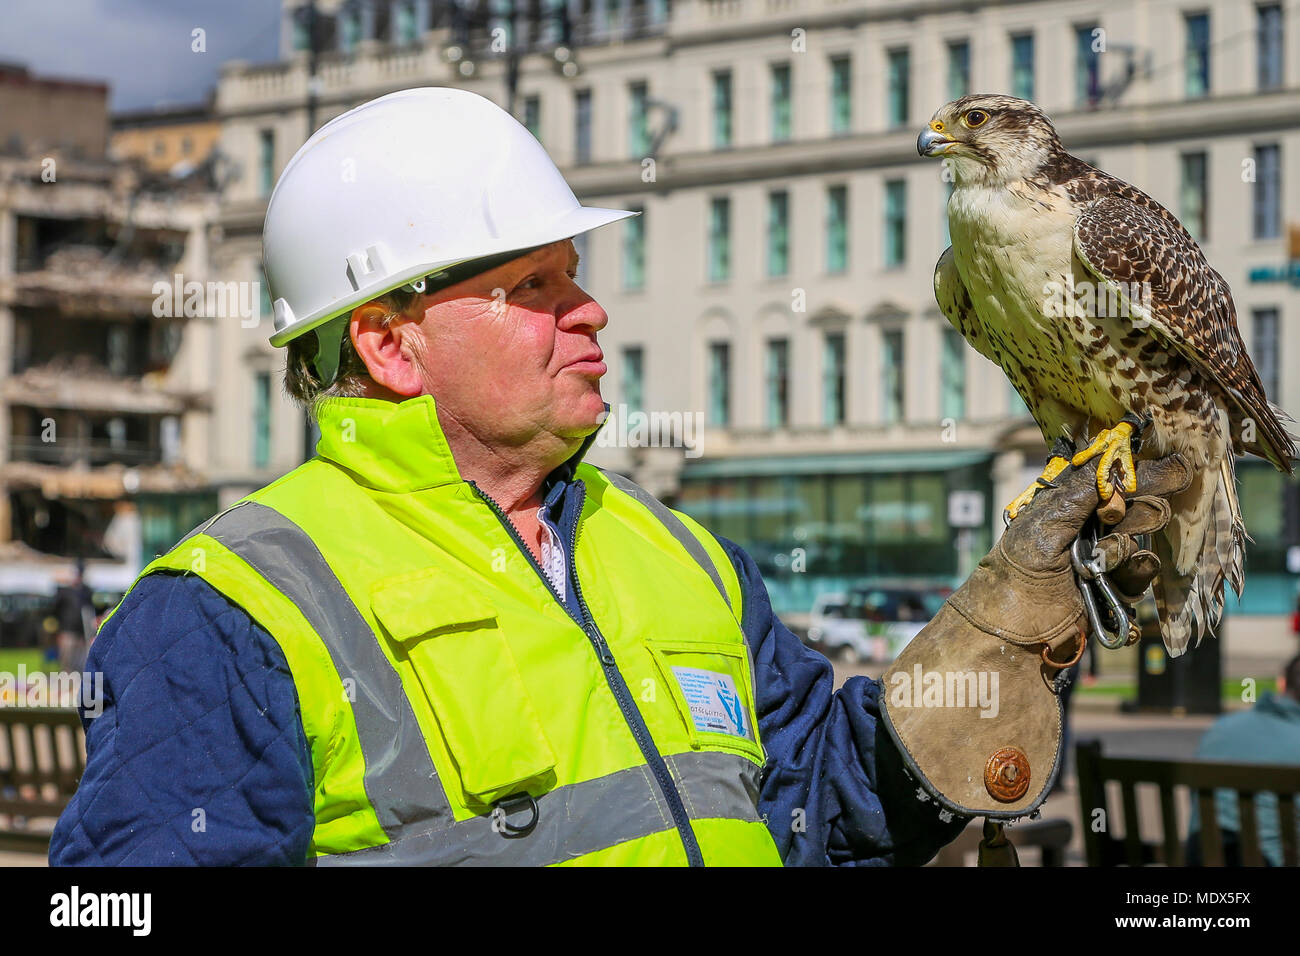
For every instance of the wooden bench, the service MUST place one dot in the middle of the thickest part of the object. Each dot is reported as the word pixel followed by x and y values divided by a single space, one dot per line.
pixel 42 757
pixel 1201 779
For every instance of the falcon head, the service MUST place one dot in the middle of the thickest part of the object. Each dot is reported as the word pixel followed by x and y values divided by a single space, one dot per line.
pixel 989 138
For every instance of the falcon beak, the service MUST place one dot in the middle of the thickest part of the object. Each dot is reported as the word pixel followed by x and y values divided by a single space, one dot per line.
pixel 931 142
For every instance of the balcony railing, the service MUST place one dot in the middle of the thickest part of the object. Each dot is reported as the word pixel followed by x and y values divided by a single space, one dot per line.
pixel 92 452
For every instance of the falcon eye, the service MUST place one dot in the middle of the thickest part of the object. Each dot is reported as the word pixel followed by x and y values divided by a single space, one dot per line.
pixel 975 118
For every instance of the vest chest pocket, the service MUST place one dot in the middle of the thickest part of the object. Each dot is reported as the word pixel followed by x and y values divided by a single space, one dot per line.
pixel 469 674
pixel 712 686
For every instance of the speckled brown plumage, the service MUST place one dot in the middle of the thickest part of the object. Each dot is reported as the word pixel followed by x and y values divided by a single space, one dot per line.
pixel 1034 227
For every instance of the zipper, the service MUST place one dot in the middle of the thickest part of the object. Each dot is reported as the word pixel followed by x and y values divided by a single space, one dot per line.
pixel 613 677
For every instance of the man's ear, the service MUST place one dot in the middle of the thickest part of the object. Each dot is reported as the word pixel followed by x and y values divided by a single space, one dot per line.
pixel 386 349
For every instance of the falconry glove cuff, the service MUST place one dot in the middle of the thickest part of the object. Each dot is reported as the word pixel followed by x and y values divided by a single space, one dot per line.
pixel 973 701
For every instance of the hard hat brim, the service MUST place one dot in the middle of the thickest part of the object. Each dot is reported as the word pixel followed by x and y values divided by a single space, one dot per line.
pixel 574 223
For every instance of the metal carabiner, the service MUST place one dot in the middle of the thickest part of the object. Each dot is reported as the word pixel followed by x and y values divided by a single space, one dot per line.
pixel 1086 560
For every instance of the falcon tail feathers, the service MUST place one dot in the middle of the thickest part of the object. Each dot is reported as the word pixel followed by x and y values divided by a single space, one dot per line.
pixel 1189 590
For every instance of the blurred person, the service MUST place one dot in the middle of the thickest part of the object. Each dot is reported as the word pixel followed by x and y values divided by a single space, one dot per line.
pixel 447 639
pixel 1267 733
pixel 74 610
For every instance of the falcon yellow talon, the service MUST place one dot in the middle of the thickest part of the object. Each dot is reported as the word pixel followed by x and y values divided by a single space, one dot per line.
pixel 1054 467
pixel 1115 447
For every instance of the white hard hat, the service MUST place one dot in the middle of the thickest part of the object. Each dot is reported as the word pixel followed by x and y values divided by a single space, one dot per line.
pixel 402 187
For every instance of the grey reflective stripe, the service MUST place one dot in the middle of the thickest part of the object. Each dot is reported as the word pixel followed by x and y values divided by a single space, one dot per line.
pixel 716 785
pixel 674 525
pixel 400 778
pixel 580 818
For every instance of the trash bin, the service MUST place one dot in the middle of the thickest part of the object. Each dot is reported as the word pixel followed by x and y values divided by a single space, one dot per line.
pixel 1189 684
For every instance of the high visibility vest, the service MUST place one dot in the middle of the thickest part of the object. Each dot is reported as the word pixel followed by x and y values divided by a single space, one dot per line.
pixel 456 711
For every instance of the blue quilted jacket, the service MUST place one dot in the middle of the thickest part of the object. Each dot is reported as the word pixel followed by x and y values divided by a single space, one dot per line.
pixel 199 755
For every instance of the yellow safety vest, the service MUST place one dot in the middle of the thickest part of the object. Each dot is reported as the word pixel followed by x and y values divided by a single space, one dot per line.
pixel 456 711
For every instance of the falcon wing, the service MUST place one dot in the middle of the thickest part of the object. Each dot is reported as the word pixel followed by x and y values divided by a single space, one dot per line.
pixel 1190 305
pixel 954 302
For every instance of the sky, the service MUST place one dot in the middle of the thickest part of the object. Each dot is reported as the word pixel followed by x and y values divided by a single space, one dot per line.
pixel 141 48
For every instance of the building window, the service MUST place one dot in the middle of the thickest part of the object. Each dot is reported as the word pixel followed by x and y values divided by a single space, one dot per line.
pixel 1022 66
pixel 1197 55
pixel 895 223
pixel 501 23
pixel 301 35
pixel 264 298
pixel 833 365
pixel 1268 44
pixel 778 383
pixel 638 120
pixel 837 229
pixel 1192 196
pixel 778 233
pixel 406 24
pixel 1087 66
pixel 891 376
pixel 119 349
pixel 634 377
pixel 719 384
pixel 634 253
pixel 266 161
pixel 1264 347
pixel 349 22
pixel 780 102
pixel 533 115
pixel 721 109
pixel 958 69
pixel 952 398
pixel 719 239
pixel 1267 200
pixel 841 95
pixel 261 419
pixel 900 69
pixel 582 126
pixel 580 245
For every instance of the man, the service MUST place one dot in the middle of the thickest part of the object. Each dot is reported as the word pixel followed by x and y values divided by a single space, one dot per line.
pixel 446 639
pixel 1268 733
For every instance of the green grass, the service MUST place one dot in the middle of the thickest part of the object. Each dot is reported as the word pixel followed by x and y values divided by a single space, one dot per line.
pixel 33 659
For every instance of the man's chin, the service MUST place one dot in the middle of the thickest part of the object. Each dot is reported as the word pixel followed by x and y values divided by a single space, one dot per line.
pixel 584 415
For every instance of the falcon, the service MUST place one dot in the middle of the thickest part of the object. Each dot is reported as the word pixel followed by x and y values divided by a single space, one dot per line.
pixel 1108 320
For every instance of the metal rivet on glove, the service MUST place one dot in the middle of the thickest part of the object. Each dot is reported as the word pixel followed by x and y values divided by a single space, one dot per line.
pixel 1006 775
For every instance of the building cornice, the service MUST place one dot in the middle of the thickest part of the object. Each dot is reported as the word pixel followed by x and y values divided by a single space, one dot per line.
pixel 1254 114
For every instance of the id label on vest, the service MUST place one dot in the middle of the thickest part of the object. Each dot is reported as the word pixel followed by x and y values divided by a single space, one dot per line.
pixel 715 706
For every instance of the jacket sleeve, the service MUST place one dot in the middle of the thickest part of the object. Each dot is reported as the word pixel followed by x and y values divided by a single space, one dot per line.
pixel 198 756
pixel 835 791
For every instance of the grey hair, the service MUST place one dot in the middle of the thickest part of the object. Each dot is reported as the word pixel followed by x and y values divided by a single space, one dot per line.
pixel 303 383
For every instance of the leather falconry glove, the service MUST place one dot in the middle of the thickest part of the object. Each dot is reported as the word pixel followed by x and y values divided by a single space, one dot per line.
pixel 972 702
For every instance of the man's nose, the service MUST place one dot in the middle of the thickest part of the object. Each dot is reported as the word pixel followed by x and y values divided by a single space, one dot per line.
pixel 584 312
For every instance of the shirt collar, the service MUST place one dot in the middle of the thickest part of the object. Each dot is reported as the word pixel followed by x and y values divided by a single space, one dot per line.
pixel 399 446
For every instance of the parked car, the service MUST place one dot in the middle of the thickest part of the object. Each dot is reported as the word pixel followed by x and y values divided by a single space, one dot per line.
pixel 870 622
